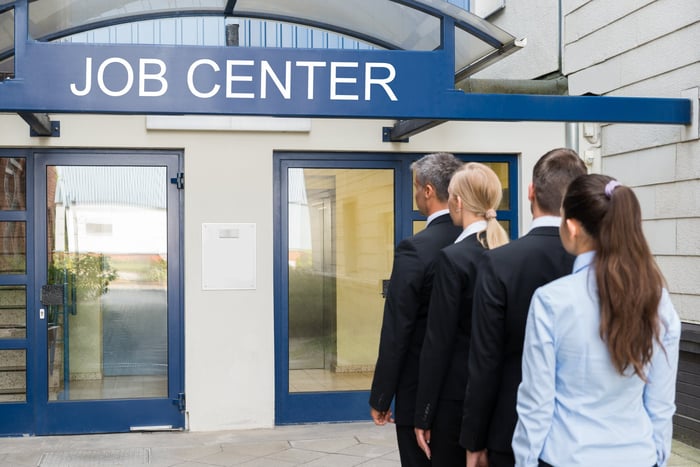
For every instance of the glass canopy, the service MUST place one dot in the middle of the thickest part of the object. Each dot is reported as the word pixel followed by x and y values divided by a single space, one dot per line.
pixel 389 24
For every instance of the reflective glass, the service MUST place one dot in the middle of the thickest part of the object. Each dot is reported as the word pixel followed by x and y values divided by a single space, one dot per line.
pixel 13 312
pixel 107 243
pixel 418 226
pixel 501 169
pixel 341 245
pixel 13 247
pixel 48 18
pixel 385 24
pixel 13 375
pixel 13 184
pixel 7 35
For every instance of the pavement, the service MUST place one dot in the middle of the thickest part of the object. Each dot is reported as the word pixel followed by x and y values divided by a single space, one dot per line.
pixel 322 445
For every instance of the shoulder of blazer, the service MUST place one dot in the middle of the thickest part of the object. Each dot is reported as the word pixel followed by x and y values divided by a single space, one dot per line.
pixel 543 231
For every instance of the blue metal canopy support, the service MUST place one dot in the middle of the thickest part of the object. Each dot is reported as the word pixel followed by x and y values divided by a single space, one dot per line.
pixel 52 77
pixel 40 124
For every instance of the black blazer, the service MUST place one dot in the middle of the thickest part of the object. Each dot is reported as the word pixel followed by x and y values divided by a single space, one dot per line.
pixel 508 276
pixel 445 355
pixel 405 313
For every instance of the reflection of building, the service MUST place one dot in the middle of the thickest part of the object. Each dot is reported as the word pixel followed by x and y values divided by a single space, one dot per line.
pixel 93 213
pixel 109 254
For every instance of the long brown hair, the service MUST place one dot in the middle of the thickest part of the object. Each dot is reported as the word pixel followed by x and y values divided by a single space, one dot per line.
pixel 629 281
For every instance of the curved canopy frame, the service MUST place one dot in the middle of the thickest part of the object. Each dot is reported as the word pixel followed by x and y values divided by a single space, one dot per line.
pixel 423 48
pixel 412 25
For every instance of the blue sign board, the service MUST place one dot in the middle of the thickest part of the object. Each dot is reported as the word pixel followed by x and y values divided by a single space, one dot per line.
pixel 143 79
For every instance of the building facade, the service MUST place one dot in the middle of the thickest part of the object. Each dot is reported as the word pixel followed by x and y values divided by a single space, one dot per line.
pixel 278 233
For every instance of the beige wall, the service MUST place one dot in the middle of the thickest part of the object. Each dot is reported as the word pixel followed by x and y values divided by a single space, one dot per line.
pixel 229 335
pixel 643 49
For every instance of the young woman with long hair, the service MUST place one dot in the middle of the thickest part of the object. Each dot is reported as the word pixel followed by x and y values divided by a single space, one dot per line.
pixel 475 192
pixel 601 345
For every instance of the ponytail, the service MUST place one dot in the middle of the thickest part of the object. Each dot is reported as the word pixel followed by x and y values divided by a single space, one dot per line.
pixel 495 233
pixel 629 281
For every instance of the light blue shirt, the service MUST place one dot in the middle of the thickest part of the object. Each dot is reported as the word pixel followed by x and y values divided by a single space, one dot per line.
pixel 574 408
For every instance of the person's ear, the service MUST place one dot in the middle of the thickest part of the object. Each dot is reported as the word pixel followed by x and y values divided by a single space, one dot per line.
pixel 531 192
pixel 429 190
pixel 574 228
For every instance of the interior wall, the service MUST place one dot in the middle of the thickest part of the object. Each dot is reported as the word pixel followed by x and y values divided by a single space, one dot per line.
pixel 229 334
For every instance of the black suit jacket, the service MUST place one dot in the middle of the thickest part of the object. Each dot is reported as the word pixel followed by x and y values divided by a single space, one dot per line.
pixel 445 355
pixel 405 313
pixel 508 276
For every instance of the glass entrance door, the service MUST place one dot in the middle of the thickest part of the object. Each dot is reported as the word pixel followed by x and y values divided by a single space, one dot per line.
pixel 337 240
pixel 338 219
pixel 109 319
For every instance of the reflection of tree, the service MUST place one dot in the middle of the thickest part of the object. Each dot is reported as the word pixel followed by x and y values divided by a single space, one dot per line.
pixel 158 270
pixel 92 273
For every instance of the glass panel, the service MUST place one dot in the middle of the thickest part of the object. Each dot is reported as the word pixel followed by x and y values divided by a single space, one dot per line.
pixel 107 243
pixel 49 17
pixel 418 226
pixel 13 184
pixel 13 312
pixel 13 375
pixel 388 22
pixel 341 245
pixel 13 247
pixel 506 226
pixel 7 35
pixel 501 169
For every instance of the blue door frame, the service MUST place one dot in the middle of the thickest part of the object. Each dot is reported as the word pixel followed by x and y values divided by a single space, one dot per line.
pixel 342 406
pixel 37 415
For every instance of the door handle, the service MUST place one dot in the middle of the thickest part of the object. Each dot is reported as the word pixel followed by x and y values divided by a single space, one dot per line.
pixel 42 313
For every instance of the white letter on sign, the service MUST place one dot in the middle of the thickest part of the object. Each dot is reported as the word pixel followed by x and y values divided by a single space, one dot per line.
pixel 335 80
pixel 230 77
pixel 190 78
pixel 311 66
pixel 129 77
pixel 143 76
pixel 88 80
pixel 266 70
pixel 384 82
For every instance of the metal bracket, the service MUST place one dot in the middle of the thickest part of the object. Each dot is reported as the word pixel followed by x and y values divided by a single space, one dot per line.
pixel 41 124
pixel 404 129
pixel 179 180
pixel 181 405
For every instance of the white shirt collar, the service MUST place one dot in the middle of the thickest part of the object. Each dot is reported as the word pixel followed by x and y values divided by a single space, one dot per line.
pixel 471 229
pixel 436 214
pixel 545 221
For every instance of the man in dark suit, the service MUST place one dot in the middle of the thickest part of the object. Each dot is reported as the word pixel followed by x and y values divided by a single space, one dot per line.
pixel 508 276
pixel 406 305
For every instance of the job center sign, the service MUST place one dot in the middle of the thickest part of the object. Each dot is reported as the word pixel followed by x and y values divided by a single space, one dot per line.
pixel 227 80
pixel 388 84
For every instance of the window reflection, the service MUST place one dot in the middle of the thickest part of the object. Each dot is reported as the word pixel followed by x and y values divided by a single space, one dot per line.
pixel 107 243
pixel 341 238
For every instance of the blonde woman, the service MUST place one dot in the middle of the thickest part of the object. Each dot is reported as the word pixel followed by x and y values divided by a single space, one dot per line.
pixel 474 195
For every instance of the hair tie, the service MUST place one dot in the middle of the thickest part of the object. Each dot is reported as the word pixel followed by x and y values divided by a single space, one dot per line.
pixel 490 214
pixel 610 187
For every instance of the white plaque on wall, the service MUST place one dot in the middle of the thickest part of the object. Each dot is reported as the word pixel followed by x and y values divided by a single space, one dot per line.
pixel 228 256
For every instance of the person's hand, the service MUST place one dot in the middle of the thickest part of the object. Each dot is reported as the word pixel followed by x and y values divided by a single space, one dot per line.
pixel 381 417
pixel 477 458
pixel 423 439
